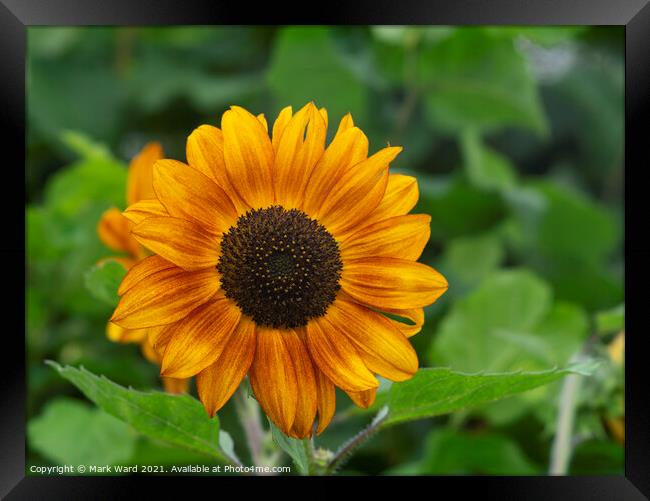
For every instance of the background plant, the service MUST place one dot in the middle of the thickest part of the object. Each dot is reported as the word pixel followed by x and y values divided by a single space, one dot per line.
pixel 516 137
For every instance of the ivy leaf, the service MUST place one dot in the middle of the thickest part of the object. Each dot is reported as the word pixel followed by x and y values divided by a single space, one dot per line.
pixel 103 280
pixel 437 391
pixel 298 450
pixel 55 434
pixel 177 419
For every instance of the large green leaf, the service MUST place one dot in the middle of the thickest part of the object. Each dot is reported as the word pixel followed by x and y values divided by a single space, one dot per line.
pixel 473 336
pixel 177 419
pixel 437 391
pixel 509 323
pixel 71 432
pixel 306 66
pixel 474 78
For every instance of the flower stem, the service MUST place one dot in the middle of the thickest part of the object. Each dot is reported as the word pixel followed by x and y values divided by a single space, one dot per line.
pixel 346 450
pixel 562 447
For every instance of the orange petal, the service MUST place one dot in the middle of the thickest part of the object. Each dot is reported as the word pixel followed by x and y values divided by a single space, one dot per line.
pixel 383 348
pixel 344 151
pixel 384 282
pixel 357 193
pixel 323 113
pixel 148 266
pixel 400 236
pixel 273 378
pixel 159 337
pixel 346 123
pixel 326 400
pixel 115 231
pixel 198 340
pixel 139 184
pixel 143 209
pixel 400 197
pixel 164 297
pixel 415 315
pixel 308 394
pixel 249 157
pixel 363 399
pixel 118 334
pixel 280 124
pixel 184 243
pixel 216 383
pixel 174 385
pixel 149 352
pixel 301 145
pixel 204 151
pixel 188 194
pixel 337 357
pixel 262 120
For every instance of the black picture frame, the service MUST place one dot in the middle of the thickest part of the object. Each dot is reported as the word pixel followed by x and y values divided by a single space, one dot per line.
pixel 634 15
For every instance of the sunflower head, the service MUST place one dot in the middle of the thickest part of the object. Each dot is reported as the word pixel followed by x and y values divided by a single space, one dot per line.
pixel 281 258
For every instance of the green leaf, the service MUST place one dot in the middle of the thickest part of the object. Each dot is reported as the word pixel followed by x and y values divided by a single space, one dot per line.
pixel 86 184
pixel 471 336
pixel 177 419
pixel 306 66
pixel 66 97
pixel 449 452
pixel 437 391
pixel 457 208
pixel 570 239
pixel 612 320
pixel 103 280
pixel 71 432
pixel 298 450
pixel 227 444
pixel 569 220
pixel 485 168
pixel 201 88
pixel 459 263
pixel 62 238
pixel 476 79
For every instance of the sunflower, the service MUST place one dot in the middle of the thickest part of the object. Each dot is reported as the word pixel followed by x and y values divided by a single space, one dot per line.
pixel 114 231
pixel 283 259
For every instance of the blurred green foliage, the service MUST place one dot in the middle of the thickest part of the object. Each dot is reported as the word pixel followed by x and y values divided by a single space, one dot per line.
pixel 515 135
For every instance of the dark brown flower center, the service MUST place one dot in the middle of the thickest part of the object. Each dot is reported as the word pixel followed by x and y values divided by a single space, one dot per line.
pixel 281 267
